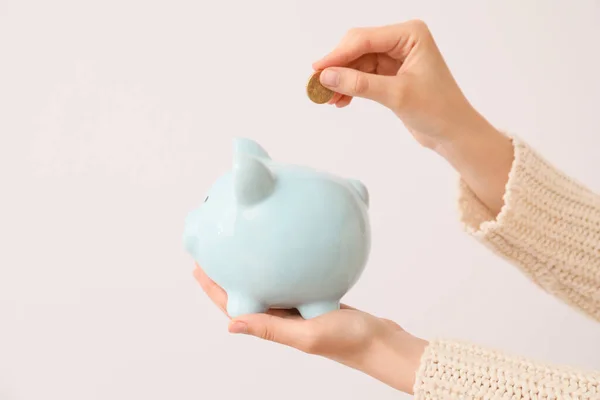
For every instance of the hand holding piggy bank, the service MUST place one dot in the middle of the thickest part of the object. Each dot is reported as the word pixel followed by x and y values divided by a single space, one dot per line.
pixel 274 235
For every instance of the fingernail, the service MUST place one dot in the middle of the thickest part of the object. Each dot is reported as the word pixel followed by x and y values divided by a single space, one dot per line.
pixel 330 78
pixel 238 327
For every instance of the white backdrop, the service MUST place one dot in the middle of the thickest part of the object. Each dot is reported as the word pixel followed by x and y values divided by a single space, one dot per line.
pixel 115 116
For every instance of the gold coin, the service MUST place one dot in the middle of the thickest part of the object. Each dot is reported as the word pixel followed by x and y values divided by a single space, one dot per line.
pixel 316 92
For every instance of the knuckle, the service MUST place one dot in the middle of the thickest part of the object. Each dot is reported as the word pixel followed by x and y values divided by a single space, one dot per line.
pixel 390 323
pixel 420 27
pixel 354 32
pixel 418 24
pixel 360 84
pixel 359 38
pixel 268 334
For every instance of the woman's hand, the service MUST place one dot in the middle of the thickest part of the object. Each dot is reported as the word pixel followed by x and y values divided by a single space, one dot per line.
pixel 401 67
pixel 375 346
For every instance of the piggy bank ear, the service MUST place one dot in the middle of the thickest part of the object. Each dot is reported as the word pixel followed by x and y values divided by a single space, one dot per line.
pixel 361 189
pixel 253 181
pixel 249 147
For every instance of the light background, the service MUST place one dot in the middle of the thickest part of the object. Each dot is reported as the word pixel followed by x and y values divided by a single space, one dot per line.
pixel 115 116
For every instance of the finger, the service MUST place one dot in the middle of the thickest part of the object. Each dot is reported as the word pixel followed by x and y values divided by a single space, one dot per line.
pixel 356 83
pixel 214 291
pixel 290 332
pixel 358 42
pixel 366 63
pixel 281 313
pixel 336 97
pixel 395 40
pixel 344 101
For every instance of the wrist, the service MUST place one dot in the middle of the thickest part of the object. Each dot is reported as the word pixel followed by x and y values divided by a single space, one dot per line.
pixel 471 142
pixel 395 359
pixel 472 134
pixel 483 157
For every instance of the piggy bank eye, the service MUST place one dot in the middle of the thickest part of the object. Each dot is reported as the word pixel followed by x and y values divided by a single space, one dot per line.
pixel 206 199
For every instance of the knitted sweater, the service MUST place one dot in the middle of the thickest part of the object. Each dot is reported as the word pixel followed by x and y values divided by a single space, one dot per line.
pixel 549 227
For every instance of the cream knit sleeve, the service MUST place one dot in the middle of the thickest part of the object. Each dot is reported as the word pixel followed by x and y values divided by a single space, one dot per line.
pixel 549 227
pixel 455 370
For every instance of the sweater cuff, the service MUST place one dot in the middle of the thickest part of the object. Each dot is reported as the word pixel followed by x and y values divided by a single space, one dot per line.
pixel 535 191
pixel 549 226
pixel 456 370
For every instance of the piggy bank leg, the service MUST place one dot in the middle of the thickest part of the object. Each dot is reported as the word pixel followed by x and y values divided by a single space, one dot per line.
pixel 312 310
pixel 238 304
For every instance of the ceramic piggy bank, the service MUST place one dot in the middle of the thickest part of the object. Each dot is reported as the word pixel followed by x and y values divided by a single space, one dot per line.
pixel 274 235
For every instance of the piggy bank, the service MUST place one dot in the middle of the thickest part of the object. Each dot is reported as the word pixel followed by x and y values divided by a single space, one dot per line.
pixel 276 235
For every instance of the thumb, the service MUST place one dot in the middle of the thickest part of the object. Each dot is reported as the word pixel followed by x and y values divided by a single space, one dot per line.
pixel 356 83
pixel 290 332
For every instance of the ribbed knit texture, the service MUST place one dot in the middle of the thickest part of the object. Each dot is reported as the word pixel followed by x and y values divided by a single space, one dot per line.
pixel 549 227
pixel 455 370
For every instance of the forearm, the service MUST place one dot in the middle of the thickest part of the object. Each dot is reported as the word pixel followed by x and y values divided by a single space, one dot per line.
pixel 483 157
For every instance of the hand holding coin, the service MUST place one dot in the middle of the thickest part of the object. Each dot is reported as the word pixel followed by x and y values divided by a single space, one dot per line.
pixel 401 67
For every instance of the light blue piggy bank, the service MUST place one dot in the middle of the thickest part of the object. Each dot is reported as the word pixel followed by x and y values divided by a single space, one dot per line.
pixel 274 235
